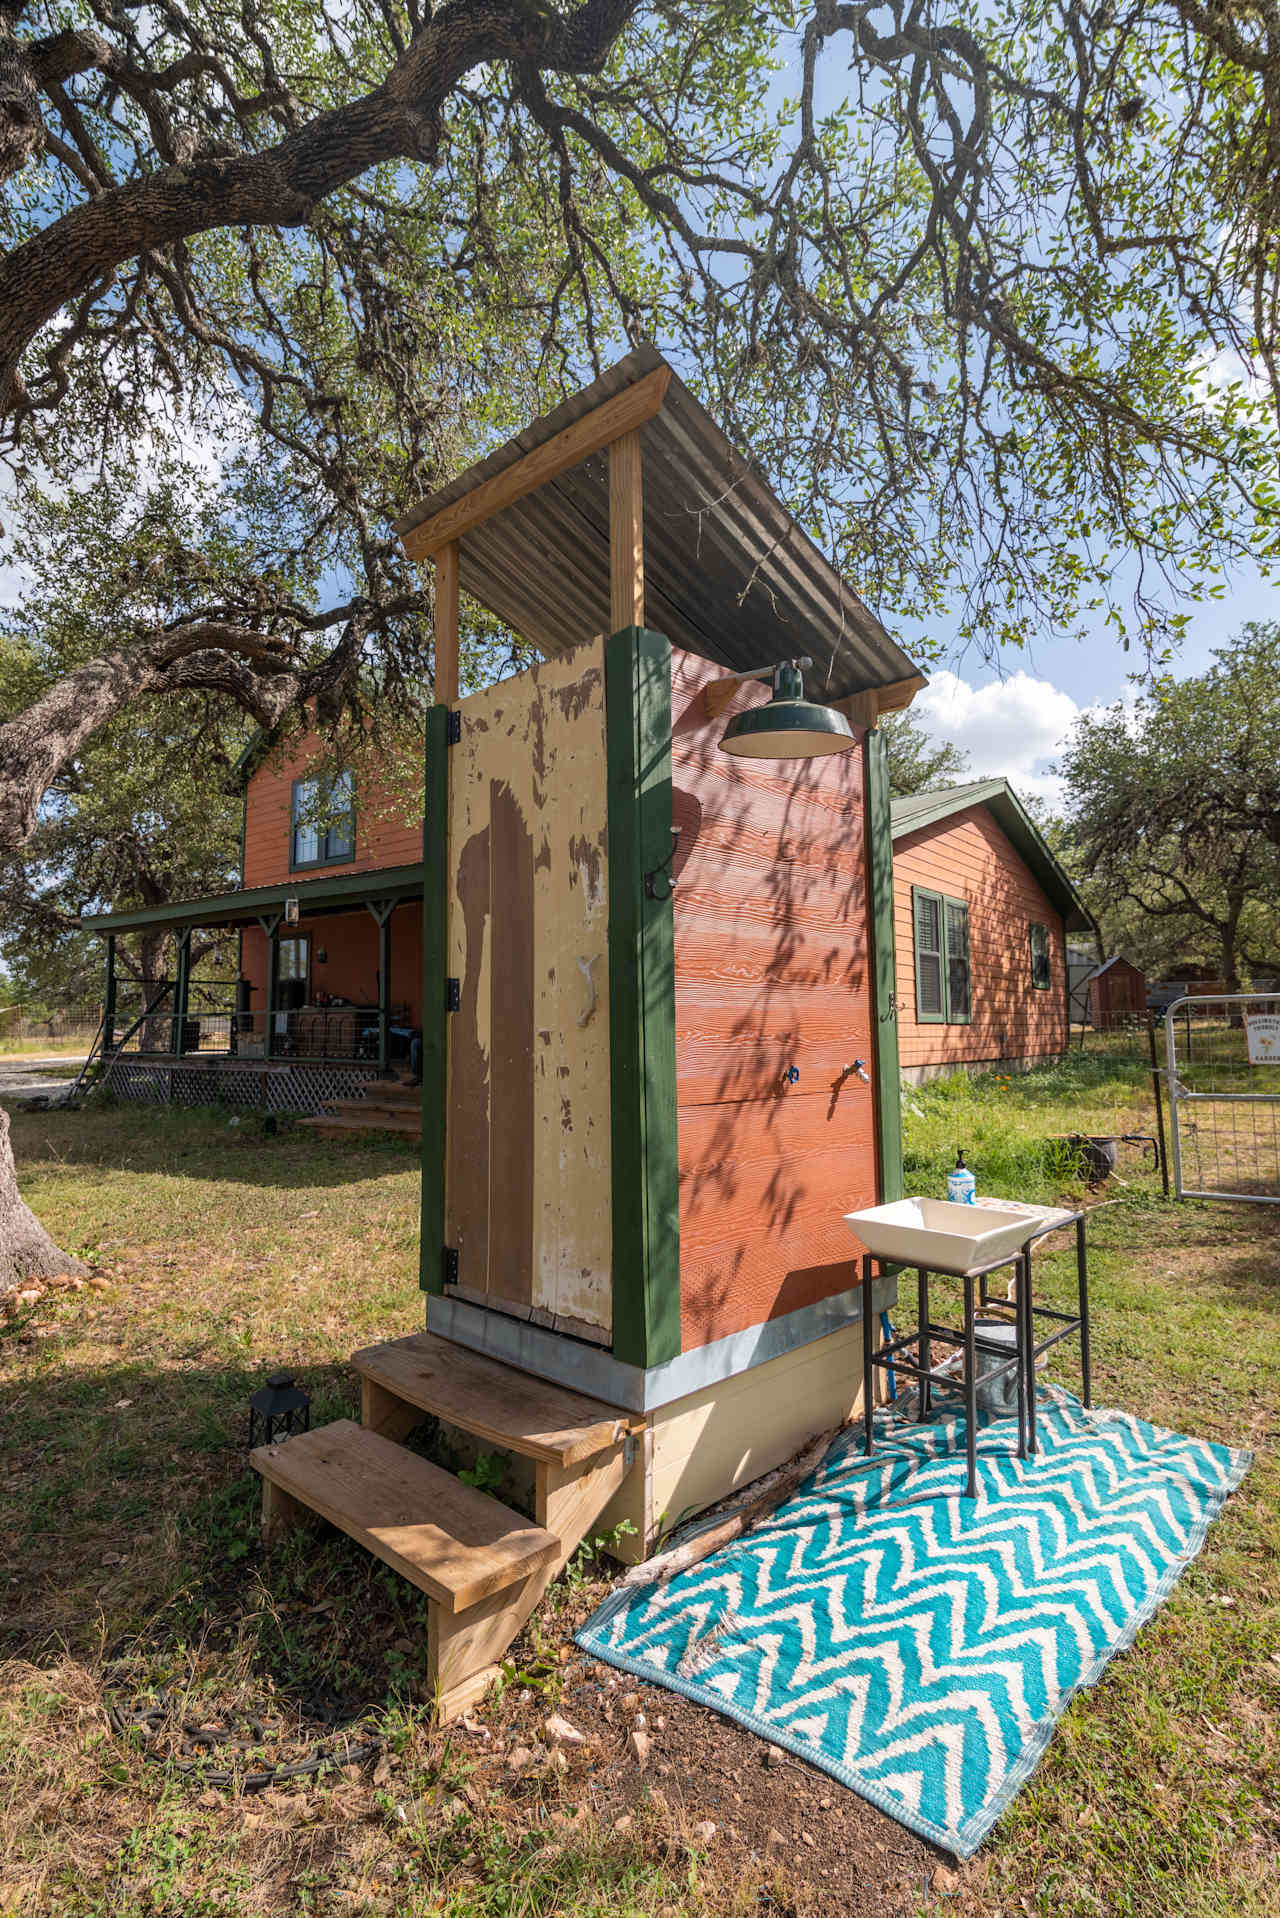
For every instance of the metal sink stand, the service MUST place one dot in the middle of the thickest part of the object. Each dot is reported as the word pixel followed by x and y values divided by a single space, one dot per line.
pixel 970 1342
pixel 1027 1349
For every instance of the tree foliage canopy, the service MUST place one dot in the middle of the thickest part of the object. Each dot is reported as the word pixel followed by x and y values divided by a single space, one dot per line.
pixel 916 763
pixel 1174 814
pixel 972 289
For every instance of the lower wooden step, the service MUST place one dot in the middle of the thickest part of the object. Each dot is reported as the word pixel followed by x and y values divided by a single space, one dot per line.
pixel 456 1544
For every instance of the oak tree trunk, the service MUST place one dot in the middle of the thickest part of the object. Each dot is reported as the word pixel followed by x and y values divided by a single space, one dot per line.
pixel 26 1250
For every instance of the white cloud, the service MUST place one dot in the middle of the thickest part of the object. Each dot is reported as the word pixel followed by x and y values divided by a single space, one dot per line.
pixel 1011 729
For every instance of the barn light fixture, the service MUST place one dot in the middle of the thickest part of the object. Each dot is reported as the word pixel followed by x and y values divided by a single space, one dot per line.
pixel 790 726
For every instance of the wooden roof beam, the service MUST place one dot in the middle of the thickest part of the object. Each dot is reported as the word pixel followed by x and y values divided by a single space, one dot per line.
pixel 624 413
pixel 865 708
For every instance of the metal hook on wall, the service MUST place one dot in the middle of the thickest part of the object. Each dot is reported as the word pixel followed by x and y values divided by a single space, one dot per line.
pixel 659 883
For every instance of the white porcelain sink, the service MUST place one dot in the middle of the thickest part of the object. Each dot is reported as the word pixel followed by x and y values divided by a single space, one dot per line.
pixel 937 1234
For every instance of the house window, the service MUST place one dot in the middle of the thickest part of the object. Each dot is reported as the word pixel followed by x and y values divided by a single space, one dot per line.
pixel 1040 957
pixel 324 821
pixel 944 991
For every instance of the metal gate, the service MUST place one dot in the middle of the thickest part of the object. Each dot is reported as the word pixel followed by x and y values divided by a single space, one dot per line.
pixel 1224 1095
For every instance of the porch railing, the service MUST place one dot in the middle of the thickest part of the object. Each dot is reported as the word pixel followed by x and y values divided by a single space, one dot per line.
pixel 211 1030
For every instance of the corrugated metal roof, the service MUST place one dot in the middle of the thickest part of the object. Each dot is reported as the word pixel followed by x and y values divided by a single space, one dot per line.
pixel 728 573
pixel 913 814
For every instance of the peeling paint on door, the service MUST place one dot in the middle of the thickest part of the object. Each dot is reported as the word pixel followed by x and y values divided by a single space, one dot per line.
pixel 529 1118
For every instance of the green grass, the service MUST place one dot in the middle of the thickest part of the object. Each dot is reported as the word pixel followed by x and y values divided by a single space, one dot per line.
pixel 127 1514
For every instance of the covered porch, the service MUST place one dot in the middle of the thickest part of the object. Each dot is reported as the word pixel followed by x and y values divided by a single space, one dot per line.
pixel 314 990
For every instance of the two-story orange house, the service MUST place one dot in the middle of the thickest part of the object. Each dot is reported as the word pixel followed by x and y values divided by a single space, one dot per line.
pixel 325 995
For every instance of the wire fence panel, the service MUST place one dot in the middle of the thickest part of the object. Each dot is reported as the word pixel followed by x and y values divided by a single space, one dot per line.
pixel 1223 1071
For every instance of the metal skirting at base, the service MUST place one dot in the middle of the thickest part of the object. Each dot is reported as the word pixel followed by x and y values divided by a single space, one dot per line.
pixel 585 1368
pixel 247 1086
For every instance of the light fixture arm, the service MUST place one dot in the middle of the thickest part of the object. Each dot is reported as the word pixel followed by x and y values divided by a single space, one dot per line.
pixel 720 692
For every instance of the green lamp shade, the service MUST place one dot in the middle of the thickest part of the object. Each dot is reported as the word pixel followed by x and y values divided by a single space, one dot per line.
pixel 787 729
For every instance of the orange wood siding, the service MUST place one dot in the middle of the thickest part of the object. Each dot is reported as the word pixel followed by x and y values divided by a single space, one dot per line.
pixel 383 838
pixel 771 970
pixel 350 969
pixel 968 857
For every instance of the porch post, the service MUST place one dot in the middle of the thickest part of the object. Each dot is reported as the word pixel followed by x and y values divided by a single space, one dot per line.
pixel 382 910
pixel 109 998
pixel 181 994
pixel 271 926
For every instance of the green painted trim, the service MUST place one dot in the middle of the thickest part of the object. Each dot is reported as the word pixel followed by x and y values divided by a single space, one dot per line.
pixel 884 971
pixel 326 858
pixel 923 1018
pixel 435 1020
pixel 642 1001
pixel 1033 927
pixel 955 1018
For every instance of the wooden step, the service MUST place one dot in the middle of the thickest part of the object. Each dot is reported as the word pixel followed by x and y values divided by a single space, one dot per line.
pixel 509 1408
pixel 456 1544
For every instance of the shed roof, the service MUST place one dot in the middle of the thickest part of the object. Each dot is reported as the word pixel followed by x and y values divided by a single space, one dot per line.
pixel 729 574
pixel 920 810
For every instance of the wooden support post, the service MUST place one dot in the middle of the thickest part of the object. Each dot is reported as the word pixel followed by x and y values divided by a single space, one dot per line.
pixel 446 654
pixel 384 992
pixel 626 532
pixel 282 1512
pixel 271 927
pixel 109 998
pixel 181 995
pixel 385 1413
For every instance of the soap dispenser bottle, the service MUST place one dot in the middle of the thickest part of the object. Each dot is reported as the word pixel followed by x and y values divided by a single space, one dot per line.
pixel 961 1184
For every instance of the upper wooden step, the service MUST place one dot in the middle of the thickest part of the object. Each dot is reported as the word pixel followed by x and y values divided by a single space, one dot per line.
pixel 496 1402
pixel 455 1543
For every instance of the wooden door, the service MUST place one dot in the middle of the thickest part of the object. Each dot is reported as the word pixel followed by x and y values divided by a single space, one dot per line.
pixel 527 1183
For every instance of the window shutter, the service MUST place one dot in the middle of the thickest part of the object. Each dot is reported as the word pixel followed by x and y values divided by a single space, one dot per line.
pixel 959 1006
pixel 927 908
pixel 1040 970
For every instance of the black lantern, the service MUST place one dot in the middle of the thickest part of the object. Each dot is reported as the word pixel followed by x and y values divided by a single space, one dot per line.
pixel 279 1410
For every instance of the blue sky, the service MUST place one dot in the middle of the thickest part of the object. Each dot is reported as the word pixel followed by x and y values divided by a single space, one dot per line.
pixel 1012 717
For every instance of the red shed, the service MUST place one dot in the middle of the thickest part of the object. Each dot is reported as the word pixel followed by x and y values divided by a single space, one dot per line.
pixel 1117 994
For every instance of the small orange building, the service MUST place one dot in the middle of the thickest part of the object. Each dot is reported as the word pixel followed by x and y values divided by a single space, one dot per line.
pixel 981 913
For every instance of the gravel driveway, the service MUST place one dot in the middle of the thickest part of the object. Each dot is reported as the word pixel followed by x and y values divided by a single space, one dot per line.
pixel 23 1075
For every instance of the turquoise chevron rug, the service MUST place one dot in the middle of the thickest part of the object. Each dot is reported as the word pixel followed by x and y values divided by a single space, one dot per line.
pixel 917 1645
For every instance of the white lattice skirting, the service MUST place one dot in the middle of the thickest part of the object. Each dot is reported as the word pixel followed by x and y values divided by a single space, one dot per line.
pixel 273 1089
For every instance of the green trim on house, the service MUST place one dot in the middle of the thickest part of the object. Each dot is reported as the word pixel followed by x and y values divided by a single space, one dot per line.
pixel 642 1035
pixel 923 895
pixel 946 906
pixel 326 858
pixel 435 1018
pixel 338 891
pixel 884 970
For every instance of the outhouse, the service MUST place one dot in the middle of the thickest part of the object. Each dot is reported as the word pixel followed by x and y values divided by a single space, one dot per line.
pixel 659 1044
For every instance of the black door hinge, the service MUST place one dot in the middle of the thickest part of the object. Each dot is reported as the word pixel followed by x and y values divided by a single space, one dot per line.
pixel 454 733
pixel 453 995
pixel 449 1264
